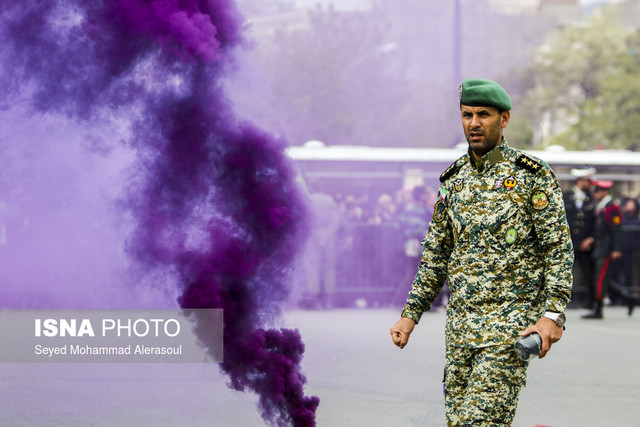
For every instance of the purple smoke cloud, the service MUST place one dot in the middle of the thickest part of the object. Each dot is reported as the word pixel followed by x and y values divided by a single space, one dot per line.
pixel 213 199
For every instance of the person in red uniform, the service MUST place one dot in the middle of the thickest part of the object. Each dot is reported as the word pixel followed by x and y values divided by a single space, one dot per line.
pixel 608 243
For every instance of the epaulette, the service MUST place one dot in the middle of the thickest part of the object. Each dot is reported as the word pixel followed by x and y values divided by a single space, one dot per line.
pixel 529 164
pixel 451 170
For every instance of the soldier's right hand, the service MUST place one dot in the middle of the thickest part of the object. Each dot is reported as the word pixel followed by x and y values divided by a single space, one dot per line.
pixel 401 330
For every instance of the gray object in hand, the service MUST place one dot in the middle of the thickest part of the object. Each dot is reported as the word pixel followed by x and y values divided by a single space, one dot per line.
pixel 529 347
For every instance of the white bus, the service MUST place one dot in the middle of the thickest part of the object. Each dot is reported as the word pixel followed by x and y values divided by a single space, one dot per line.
pixel 326 167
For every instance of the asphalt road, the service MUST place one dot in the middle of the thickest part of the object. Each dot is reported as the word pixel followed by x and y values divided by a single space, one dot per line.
pixel 590 379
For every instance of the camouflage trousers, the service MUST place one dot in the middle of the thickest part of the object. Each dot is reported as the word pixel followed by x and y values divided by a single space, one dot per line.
pixel 482 385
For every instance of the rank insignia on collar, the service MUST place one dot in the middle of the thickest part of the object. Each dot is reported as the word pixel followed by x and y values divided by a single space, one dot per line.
pixel 439 211
pixel 458 184
pixel 539 200
pixel 510 182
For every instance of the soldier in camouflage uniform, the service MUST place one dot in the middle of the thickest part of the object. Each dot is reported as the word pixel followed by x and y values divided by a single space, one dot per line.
pixel 499 234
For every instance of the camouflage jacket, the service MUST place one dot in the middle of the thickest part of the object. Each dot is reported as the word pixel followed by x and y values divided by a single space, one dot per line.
pixel 499 234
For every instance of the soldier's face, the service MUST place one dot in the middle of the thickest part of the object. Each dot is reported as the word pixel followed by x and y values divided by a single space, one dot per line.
pixel 483 127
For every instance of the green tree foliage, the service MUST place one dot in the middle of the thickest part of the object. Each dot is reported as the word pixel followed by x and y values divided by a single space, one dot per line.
pixel 585 86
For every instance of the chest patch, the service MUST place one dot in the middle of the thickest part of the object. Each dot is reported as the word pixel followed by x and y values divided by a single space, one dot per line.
pixel 510 183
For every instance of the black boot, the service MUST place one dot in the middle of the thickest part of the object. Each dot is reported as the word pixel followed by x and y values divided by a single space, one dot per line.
pixel 632 302
pixel 596 313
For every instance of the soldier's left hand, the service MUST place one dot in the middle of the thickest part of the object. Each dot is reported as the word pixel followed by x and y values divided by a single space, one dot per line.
pixel 548 331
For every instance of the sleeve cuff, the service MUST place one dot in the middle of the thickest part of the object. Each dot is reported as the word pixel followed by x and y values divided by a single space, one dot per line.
pixel 556 305
pixel 411 314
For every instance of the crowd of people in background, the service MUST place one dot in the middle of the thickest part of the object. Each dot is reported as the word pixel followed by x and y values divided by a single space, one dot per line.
pixel 377 246
pixel 386 208
pixel 604 232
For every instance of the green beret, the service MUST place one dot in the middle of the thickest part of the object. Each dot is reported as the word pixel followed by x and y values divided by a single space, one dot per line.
pixel 480 92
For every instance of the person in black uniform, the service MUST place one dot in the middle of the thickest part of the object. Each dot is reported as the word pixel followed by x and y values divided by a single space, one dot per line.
pixel 608 243
pixel 581 216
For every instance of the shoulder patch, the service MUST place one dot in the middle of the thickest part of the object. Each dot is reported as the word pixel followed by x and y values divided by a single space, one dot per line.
pixel 529 164
pixel 451 170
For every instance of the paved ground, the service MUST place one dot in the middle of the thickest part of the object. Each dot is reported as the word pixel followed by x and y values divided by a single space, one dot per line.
pixel 590 379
